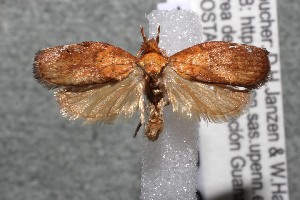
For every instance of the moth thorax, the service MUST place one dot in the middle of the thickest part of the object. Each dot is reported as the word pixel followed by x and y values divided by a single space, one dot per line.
pixel 153 63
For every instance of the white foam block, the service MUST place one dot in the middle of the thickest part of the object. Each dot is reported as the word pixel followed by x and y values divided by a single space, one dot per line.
pixel 170 163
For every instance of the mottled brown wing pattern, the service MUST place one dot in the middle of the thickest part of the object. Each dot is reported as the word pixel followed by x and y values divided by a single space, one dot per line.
pixel 80 64
pixel 105 102
pixel 101 82
pixel 223 63
pixel 211 102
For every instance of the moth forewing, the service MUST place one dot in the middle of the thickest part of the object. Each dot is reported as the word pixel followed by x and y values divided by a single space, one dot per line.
pixel 223 63
pixel 80 64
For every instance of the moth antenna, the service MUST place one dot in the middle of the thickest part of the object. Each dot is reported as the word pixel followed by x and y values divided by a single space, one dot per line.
pixel 157 36
pixel 143 34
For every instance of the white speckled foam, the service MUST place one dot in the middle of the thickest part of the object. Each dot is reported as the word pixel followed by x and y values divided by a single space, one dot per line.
pixel 169 164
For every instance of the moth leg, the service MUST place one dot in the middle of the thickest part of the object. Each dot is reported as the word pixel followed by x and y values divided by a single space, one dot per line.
pixel 142 117
pixel 137 129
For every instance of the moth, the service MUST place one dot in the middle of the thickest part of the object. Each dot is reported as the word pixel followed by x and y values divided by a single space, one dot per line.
pixel 97 81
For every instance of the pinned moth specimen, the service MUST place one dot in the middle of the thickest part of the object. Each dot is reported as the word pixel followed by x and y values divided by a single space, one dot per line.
pixel 100 82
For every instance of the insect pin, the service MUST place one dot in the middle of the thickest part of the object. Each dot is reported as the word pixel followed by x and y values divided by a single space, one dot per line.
pixel 97 81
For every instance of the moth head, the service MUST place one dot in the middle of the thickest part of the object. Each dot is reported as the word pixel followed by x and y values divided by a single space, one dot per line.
pixel 150 45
